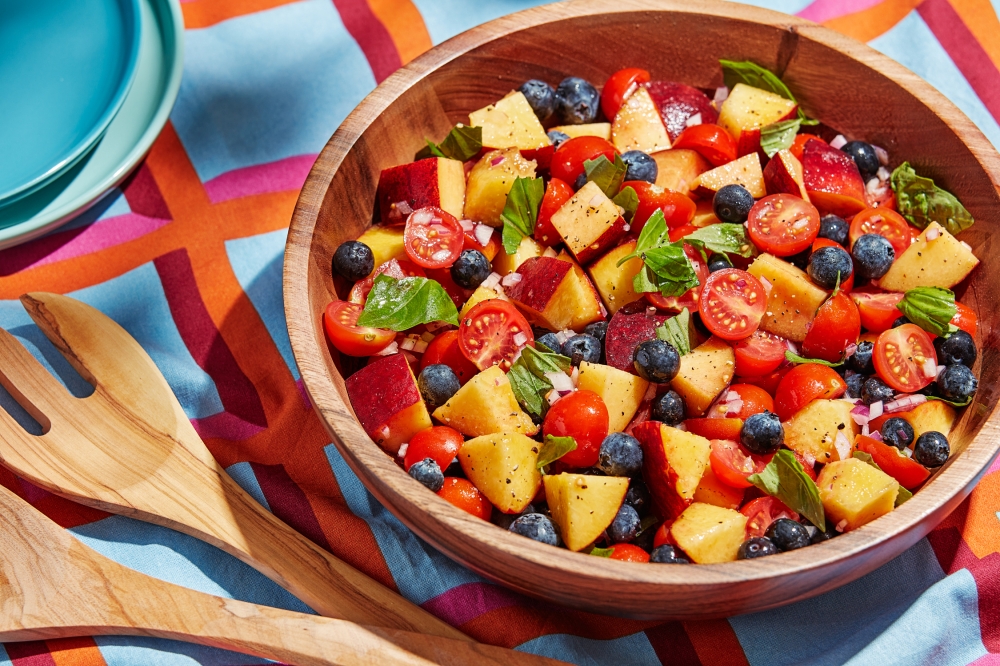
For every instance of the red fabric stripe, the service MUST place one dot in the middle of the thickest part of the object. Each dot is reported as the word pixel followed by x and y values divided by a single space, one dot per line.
pixel 965 50
pixel 288 502
pixel 143 194
pixel 371 35
pixel 202 338
pixel 30 653
pixel 672 645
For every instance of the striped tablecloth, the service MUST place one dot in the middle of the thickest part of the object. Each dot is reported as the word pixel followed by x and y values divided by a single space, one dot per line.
pixel 187 256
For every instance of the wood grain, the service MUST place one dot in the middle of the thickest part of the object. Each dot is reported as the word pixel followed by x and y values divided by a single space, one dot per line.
pixel 53 586
pixel 850 86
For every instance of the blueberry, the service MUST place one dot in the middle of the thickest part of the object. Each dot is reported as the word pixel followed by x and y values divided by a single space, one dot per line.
pixel 732 203
pixel 625 525
pixel 876 390
pixel 577 102
pixel 667 554
pixel 669 408
pixel 582 347
pixel 830 266
pixel 640 166
pixel 762 433
pixel 656 361
pixel 819 537
pixel 834 228
pixel 897 432
pixel 854 384
pixel 638 496
pixel 536 526
pixel 353 260
pixel 800 260
pixel 620 455
pixel 551 341
pixel 861 359
pixel 557 137
pixel 864 156
pixel 873 255
pixel 957 383
pixel 786 534
pixel 541 97
pixel 931 449
pixel 956 348
pixel 718 262
pixel 470 269
pixel 755 547
pixel 504 520
pixel 598 329
pixel 899 321
pixel 581 180
pixel 437 383
pixel 428 473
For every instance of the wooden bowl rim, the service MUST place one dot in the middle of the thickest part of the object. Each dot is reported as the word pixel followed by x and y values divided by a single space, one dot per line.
pixel 308 346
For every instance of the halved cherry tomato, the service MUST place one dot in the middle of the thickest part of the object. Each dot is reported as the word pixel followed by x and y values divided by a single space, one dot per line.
pixel 837 325
pixel 716 428
pixel 763 511
pixel 395 268
pixel 783 224
pixel 438 442
pixel 768 382
pixel 556 194
pixel 567 162
pixel 583 416
pixel 755 400
pixel 446 349
pixel 620 85
pixel 965 318
pixel 905 358
pixel 884 222
pixel 341 323
pixel 463 494
pixel 760 354
pixel 808 468
pixel 491 248
pixel 677 208
pixel 845 285
pixel 433 237
pixel 733 464
pixel 877 311
pixel 800 142
pixel 627 552
pixel 692 296
pixel 732 304
pixel 486 334
pixel 710 141
pixel 803 384
pixel 663 536
pixel 907 471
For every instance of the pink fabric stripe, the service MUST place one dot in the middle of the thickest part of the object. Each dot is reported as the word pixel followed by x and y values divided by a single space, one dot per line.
pixel 987 660
pixel 283 175
pixel 467 602
pixel 225 426
pixel 995 467
pixel 824 10
pixel 33 493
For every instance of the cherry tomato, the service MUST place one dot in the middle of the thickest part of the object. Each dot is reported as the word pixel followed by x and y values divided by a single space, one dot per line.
pixel 907 471
pixel 556 194
pixel 491 248
pixel 445 349
pixel 763 511
pixel 433 237
pixel 677 208
pixel 884 222
pixel 663 536
pixel 803 384
pixel 760 354
pixel 396 268
pixel 487 332
pixel 768 382
pixel 715 428
pixel 965 318
pixel 341 323
pixel 847 284
pixel 438 442
pixel 620 85
pixel 733 464
pixel 808 468
pixel 755 400
pixel 783 224
pixel 463 494
pixel 710 141
pixel 583 416
pixel 883 199
pixel 800 142
pixel 680 232
pixel 567 161
pixel 692 296
pixel 443 277
pixel 905 358
pixel 732 304
pixel 837 325
pixel 627 552
pixel 877 311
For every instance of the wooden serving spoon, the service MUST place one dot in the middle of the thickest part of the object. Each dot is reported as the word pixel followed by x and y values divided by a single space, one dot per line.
pixel 128 448
pixel 53 586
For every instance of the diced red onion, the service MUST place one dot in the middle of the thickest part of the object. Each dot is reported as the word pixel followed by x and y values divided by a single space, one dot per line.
pixel 575 376
pixel 841 526
pixel 865 431
pixel 767 286
pixel 908 452
pixel 904 403
pixel 628 227
pixel 552 397
pixel 741 283
pixel 650 310
pixel 468 225
pixel 875 410
pixel 800 224
pixel 497 160
pixel 883 174
pixel 441 255
pixel 809 458
pixel 597 200
pixel 843 445
pixel 492 281
pixel 882 154
pixel 861 415
pixel 873 186
pixel 402 449
pixel 876 435
pixel 560 381
pixel 549 252
pixel 511 279
pixel 875 219
pixel 564 335
pixel 940 369
pixel 734 407
pixel 408 343
pixel 853 401
pixel 393 348
pixel 427 336
pixel 604 310
pixel 693 120
pixel 930 368
pixel 520 339
pixel 792 347
pixel 732 395
pixel 403 207
pixel 422 216
pixel 484 233
pixel 838 141
pixel 720 95
pixel 850 349
pixel 932 234
pixel 420 347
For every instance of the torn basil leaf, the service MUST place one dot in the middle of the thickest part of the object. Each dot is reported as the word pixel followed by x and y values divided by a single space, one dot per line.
pixel 520 212
pixel 722 238
pixel 606 174
pixel 785 479
pixel 779 136
pixel 795 358
pixel 677 331
pixel 462 143
pixel 930 308
pixel 629 202
pixel 399 305
pixel 921 202
pixel 554 448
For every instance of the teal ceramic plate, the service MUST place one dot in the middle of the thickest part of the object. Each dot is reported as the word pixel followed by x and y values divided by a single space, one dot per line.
pixel 127 139
pixel 65 69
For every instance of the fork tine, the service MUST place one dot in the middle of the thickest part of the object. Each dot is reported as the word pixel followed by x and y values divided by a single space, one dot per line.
pixel 29 382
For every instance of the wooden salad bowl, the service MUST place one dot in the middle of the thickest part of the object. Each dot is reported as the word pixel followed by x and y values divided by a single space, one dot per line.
pixel 848 85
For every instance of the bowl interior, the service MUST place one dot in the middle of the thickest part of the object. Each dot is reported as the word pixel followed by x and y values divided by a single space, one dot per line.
pixel 848 85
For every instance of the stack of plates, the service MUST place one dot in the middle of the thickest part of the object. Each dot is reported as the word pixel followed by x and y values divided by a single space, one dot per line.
pixel 88 85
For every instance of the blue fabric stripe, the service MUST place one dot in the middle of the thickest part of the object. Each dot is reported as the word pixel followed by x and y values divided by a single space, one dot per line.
pixel 447 18
pixel 624 651
pixel 242 474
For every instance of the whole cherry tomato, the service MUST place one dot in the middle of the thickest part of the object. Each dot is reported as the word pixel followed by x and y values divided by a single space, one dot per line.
pixel 627 552
pixel 763 511
pixel 799 142
pixel 445 349
pixel 711 141
pixel 907 471
pixel 583 416
pixel 567 161
pixel 677 208
pixel 732 463
pixel 620 85
pixel 680 232
pixel 489 333
pixel 965 318
pixel 837 325
pixel 463 494
pixel 886 223
pixel 905 358
pixel 760 354
pixel 768 382
pixel 783 224
pixel 341 323
pixel 732 304
pixel 438 442
pixel 433 238
pixel 877 311
pixel 753 398
pixel 556 194
pixel 803 384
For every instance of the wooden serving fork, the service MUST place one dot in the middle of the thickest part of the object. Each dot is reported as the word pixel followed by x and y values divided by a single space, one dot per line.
pixel 128 448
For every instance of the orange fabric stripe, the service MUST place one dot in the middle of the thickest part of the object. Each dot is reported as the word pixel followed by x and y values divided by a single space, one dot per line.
pixel 75 652
pixel 204 13
pixel 716 643
pixel 980 527
pixel 981 19
pixel 869 23
pixel 405 25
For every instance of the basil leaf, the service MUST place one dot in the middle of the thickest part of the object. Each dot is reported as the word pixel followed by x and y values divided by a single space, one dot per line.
pixel 529 390
pixel 554 448
pixel 795 358
pixel 921 202
pixel 754 75
pixel 645 282
pixel 602 552
pixel 654 234
pixel 462 143
pixel 521 211
pixel 902 494
pixel 723 238
pixel 779 136
pixel 430 150
pixel 677 331
pixel 629 201
pixel 786 480
pixel 673 269
pixel 645 524
pixel 930 308
pixel 540 362
pixel 401 304
pixel 951 402
pixel 606 174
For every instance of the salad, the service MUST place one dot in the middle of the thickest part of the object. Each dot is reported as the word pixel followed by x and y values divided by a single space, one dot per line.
pixel 659 324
